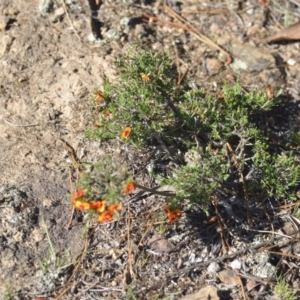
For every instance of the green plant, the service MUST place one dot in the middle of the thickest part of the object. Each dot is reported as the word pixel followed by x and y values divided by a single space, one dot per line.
pixel 100 190
pixel 225 145
pixel 231 152
pixel 54 266
pixel 129 294
pixel 282 289
pixel 162 228
pixel 54 261
pixel 143 259
pixel 143 101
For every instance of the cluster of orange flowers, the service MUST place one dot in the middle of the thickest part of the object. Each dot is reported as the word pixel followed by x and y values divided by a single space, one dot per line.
pixel 173 214
pixel 106 212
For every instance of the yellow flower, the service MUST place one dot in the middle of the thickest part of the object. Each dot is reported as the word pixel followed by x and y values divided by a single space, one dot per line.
pixel 126 133
pixel 82 205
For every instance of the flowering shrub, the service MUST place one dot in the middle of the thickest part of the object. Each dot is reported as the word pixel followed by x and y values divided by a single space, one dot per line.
pixel 100 191
pixel 232 155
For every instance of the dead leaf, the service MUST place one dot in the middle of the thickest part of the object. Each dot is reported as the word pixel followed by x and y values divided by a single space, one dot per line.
pixel 287 34
pixel 160 245
pixel 251 284
pixel 208 292
pixel 229 277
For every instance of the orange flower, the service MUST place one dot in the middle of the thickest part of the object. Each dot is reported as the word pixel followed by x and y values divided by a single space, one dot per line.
pixel 105 217
pixel 82 205
pixel 78 194
pixel 145 78
pixel 99 97
pixel 129 188
pixel 269 92
pixel 228 60
pixel 172 214
pixel 114 207
pixel 98 205
pixel 126 133
pixel 108 114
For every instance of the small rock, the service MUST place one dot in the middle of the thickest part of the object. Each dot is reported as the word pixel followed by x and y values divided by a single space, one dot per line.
pixel 266 270
pixel 213 66
pixel 250 11
pixel 250 58
pixel 11 11
pixel 37 235
pixel 291 62
pixel 91 37
pixel 45 7
pixel 113 283
pixel 59 12
pixel 113 34
pixel 251 284
pixel 3 22
pixel 160 245
pixel 157 46
pixel 125 21
pixel 208 292
pixel 213 268
pixel 229 277
pixel 236 265
pixel 5 44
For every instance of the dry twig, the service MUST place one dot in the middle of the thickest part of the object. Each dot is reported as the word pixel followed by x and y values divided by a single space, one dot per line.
pixel 237 165
pixel 185 25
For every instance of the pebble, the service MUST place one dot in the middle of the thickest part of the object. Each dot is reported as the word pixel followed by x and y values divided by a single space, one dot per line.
pixel 251 58
pixel 236 264
pixel 125 21
pixel 59 12
pixel 3 22
pixel 11 11
pixel 5 44
pixel 213 268
pixel 266 270
pixel 113 34
pixel 213 66
pixel 291 62
pixel 208 292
